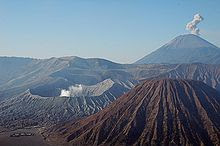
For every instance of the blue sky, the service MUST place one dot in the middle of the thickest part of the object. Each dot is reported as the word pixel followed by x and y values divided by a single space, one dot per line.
pixel 119 30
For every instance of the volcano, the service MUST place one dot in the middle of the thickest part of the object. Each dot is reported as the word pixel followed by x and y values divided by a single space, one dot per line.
pixel 187 48
pixel 31 109
pixel 155 112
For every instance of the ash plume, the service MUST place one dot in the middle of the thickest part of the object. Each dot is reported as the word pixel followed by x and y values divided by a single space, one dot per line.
pixel 192 26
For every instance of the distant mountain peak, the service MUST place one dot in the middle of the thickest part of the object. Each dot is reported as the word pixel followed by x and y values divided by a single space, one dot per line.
pixel 189 41
pixel 188 48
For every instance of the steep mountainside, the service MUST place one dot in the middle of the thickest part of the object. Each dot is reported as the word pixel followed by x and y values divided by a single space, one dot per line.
pixel 184 49
pixel 28 109
pixel 209 74
pixel 12 67
pixel 33 73
pixel 156 112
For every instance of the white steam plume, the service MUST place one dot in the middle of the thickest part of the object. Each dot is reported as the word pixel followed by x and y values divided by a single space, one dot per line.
pixel 192 26
pixel 72 91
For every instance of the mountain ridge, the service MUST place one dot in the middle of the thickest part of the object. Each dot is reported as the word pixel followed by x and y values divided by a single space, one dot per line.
pixel 49 75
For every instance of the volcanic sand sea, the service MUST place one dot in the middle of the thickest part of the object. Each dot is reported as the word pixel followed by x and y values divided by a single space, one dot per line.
pixel 35 140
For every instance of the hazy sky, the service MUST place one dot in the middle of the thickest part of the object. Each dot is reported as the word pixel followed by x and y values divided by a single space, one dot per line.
pixel 119 30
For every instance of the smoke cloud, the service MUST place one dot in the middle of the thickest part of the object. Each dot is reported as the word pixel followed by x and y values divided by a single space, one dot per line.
pixel 192 26
pixel 72 91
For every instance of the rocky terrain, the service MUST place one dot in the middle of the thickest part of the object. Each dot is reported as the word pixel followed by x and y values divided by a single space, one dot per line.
pixel 156 112
pixel 39 102
pixel 30 110
pixel 33 96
